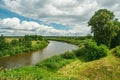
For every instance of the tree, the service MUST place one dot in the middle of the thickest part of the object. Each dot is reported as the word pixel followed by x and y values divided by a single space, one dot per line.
pixel 116 40
pixel 3 43
pixel 103 25
pixel 27 41
pixel 14 42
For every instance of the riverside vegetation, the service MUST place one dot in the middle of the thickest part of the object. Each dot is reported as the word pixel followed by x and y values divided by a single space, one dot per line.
pixel 76 65
pixel 97 58
pixel 12 46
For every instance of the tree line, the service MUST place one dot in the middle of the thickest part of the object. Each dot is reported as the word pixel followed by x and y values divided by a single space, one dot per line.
pixel 26 43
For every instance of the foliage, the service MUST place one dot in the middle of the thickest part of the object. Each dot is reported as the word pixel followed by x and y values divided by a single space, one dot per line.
pixel 3 43
pixel 79 41
pixel 58 67
pixel 21 44
pixel 79 52
pixel 73 69
pixel 117 51
pixel 116 40
pixel 102 50
pixel 103 26
pixel 69 55
pixel 54 63
pixel 88 49
pixel 91 51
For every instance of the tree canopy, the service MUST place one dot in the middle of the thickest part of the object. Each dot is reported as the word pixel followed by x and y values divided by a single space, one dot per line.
pixel 103 26
pixel 116 40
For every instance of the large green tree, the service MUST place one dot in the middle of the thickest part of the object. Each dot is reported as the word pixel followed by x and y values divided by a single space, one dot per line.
pixel 103 26
pixel 116 40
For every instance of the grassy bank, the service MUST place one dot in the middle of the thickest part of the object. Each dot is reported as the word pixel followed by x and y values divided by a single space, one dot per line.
pixel 107 68
pixel 64 67
pixel 79 41
pixel 46 69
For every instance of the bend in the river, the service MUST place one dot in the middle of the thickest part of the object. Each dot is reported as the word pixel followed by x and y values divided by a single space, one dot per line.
pixel 53 48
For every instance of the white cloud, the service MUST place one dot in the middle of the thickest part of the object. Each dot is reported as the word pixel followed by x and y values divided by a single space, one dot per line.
pixel 74 13
pixel 52 10
pixel 16 27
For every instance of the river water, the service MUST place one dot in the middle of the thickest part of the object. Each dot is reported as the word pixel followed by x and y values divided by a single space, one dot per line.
pixel 25 59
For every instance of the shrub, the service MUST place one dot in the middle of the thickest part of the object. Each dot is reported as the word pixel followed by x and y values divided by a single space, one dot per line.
pixel 117 51
pixel 102 50
pixel 91 51
pixel 52 63
pixel 69 55
pixel 79 52
pixel 95 52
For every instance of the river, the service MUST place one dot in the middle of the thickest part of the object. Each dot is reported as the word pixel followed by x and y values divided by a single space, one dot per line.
pixel 25 59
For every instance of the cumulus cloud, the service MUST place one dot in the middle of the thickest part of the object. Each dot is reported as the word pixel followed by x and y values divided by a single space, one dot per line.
pixel 60 11
pixel 16 27
pixel 74 13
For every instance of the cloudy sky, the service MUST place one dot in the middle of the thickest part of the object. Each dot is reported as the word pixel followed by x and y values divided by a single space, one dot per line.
pixel 51 17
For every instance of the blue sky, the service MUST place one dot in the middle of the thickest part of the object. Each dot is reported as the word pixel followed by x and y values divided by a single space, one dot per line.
pixel 51 17
pixel 5 13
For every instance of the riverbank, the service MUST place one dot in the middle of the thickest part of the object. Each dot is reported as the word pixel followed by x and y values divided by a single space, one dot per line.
pixel 31 58
pixel 41 70
pixel 19 45
pixel 78 41
pixel 66 67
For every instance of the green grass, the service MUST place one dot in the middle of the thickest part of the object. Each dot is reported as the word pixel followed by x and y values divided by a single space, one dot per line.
pixel 60 68
pixel 54 63
pixel 107 68
pixel 45 70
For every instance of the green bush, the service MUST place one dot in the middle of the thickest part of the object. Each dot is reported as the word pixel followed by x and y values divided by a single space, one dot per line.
pixel 91 51
pixel 78 52
pixel 69 55
pixel 117 51
pixel 51 63
pixel 102 50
